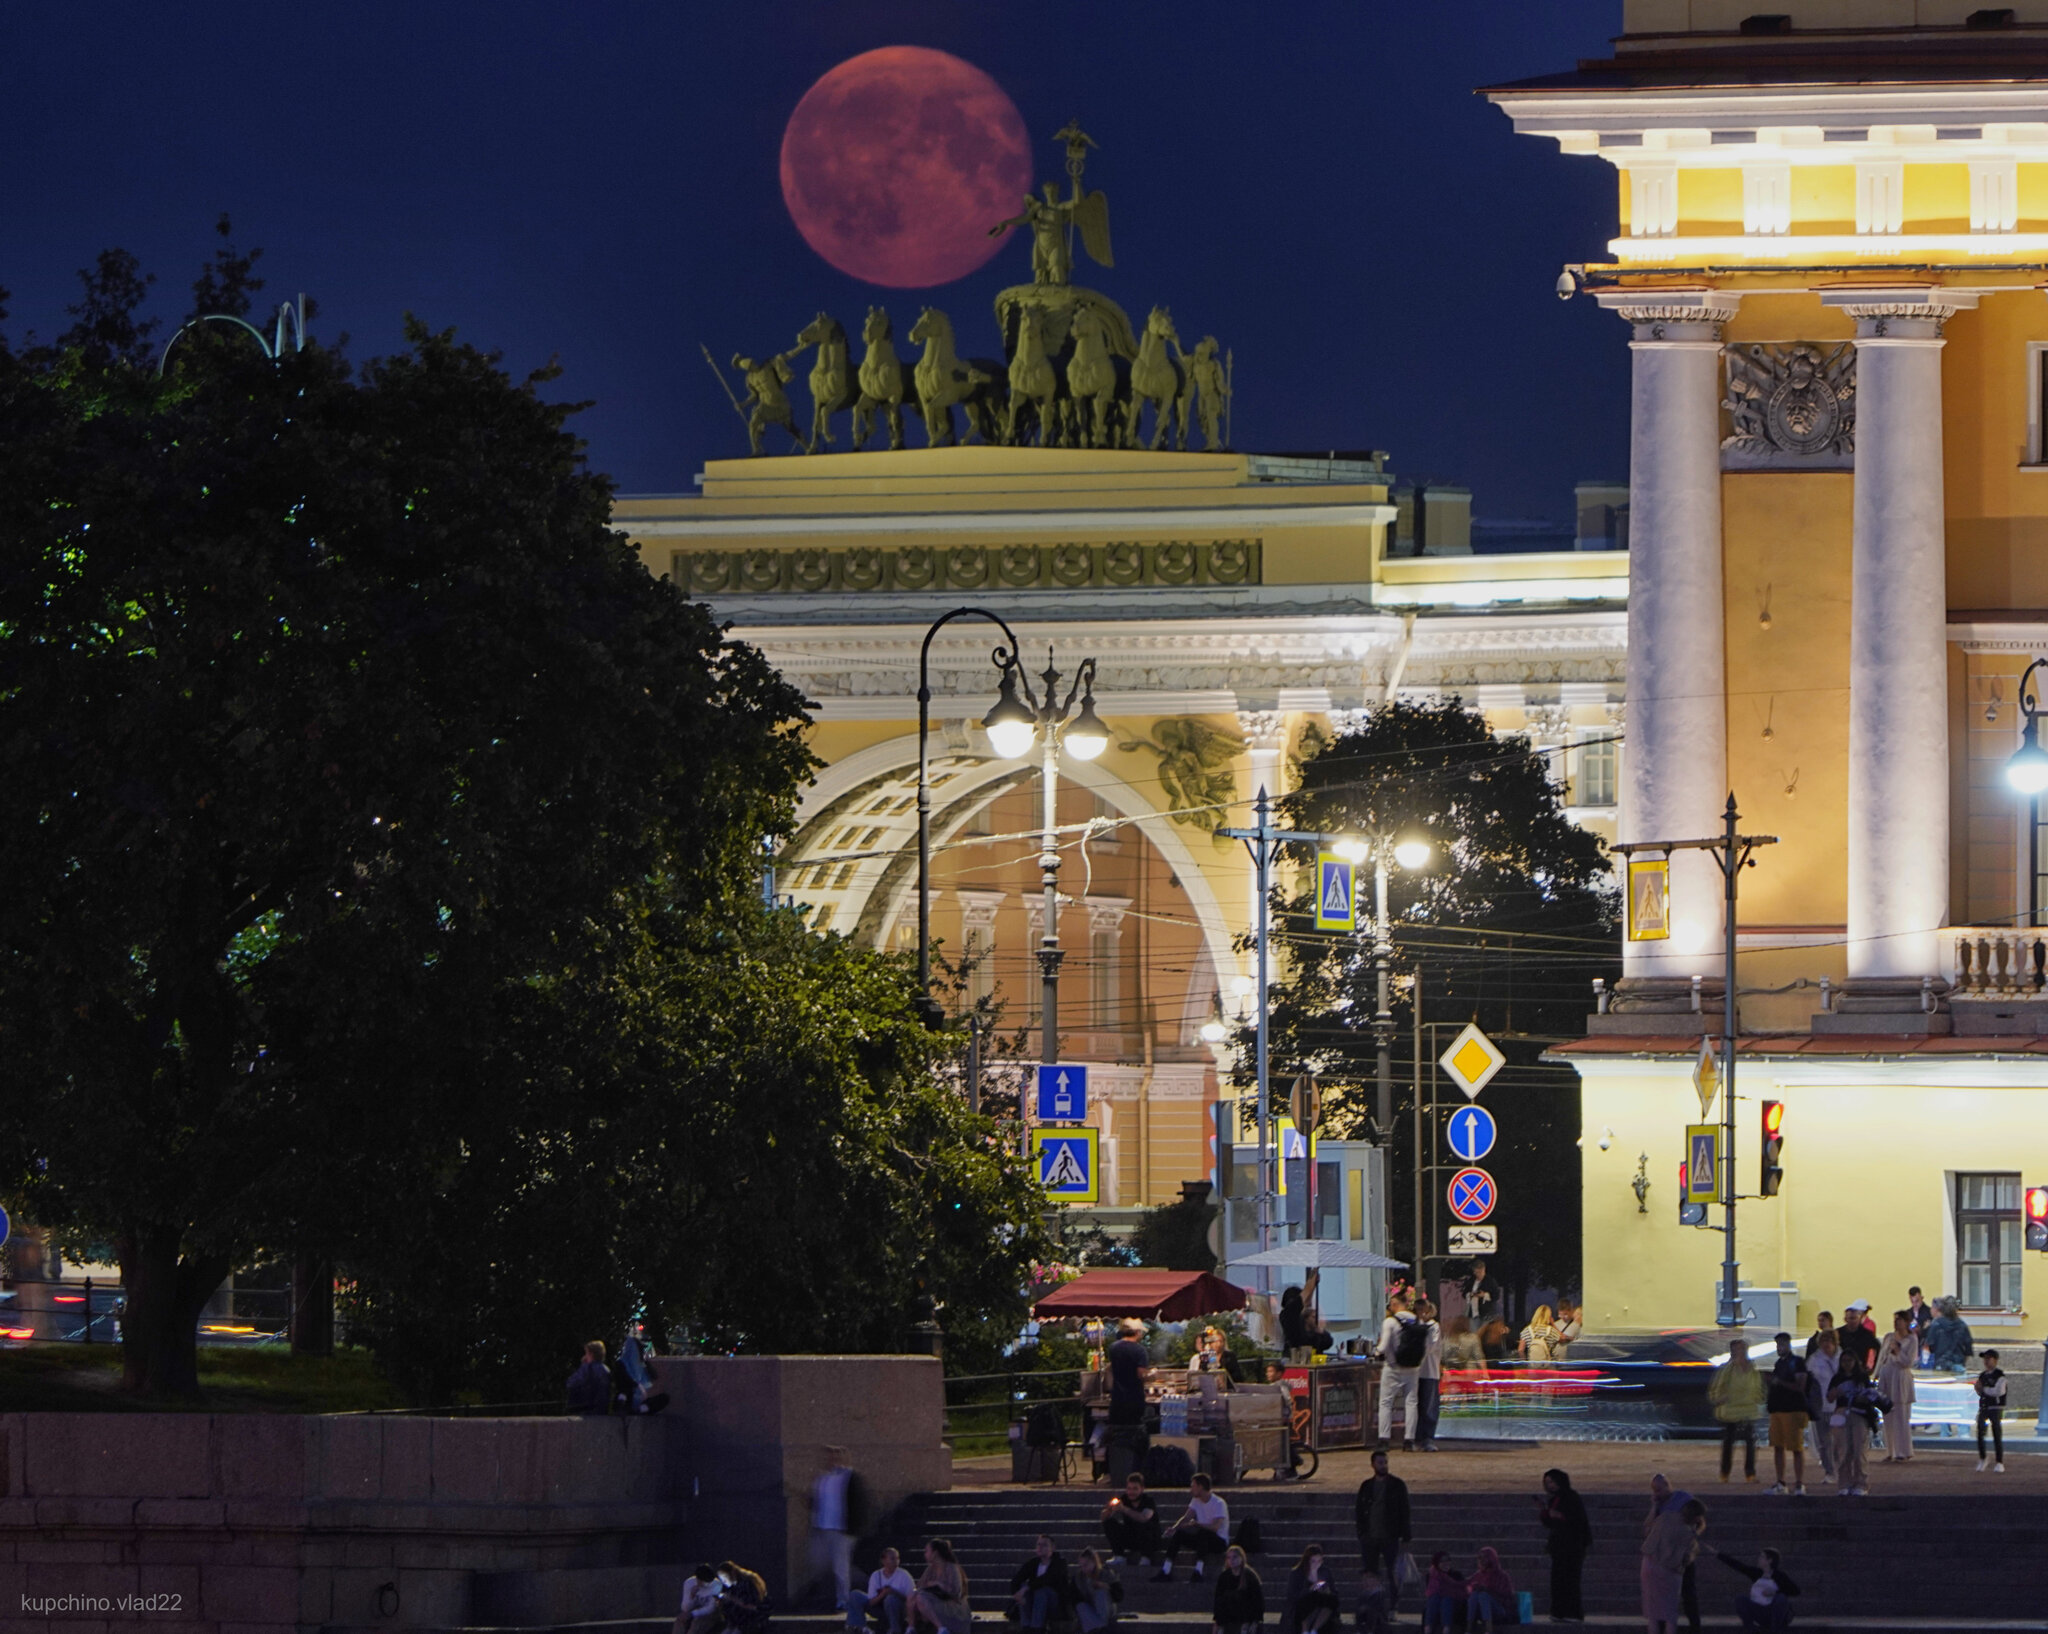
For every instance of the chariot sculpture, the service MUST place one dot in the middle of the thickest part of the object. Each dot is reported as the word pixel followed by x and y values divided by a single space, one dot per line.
pixel 1073 372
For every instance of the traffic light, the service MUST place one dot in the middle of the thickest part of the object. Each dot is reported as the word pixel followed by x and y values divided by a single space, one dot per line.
pixel 1774 1143
pixel 2037 1217
pixel 1691 1214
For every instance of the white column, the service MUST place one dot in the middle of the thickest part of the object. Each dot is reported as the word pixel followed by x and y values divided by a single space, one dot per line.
pixel 1674 776
pixel 1898 644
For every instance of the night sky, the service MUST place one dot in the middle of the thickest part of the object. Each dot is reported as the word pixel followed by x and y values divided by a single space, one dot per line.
pixel 1313 183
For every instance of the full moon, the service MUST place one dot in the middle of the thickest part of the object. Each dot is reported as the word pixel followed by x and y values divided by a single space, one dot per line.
pixel 897 162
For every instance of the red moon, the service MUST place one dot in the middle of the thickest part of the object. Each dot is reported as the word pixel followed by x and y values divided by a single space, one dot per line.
pixel 897 162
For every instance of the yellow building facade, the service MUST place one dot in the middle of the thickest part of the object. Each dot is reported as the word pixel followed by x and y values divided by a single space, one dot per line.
pixel 1234 604
pixel 1831 256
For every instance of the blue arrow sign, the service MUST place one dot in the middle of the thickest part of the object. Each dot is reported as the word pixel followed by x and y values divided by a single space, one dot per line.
pixel 1471 1133
pixel 1062 1093
pixel 1472 1195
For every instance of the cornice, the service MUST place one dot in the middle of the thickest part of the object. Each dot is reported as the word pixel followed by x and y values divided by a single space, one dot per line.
pixel 1016 521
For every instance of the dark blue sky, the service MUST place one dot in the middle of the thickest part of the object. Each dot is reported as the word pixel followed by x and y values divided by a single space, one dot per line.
pixel 1312 182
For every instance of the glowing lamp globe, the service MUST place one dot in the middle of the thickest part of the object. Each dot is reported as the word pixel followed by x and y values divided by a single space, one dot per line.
pixel 1413 853
pixel 1010 726
pixel 2027 771
pixel 1352 849
pixel 1087 737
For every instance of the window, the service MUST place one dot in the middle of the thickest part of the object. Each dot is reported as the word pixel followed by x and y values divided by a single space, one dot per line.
pixel 1988 1240
pixel 1595 785
pixel 1104 976
pixel 2037 403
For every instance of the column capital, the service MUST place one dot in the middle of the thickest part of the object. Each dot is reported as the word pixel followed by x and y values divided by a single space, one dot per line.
pixel 1910 313
pixel 1671 317
pixel 1265 731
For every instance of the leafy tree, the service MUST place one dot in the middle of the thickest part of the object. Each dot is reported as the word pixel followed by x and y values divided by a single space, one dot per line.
pixel 1507 927
pixel 339 736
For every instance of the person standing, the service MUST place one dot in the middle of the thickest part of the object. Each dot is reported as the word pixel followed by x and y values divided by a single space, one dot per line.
pixel 1990 1388
pixel 1301 1335
pixel 1897 1355
pixel 1665 1499
pixel 1785 1401
pixel 1403 1344
pixel 1130 1365
pixel 1670 1547
pixel 1921 1316
pixel 838 1502
pixel 1823 1361
pixel 1737 1393
pixel 1381 1516
pixel 1131 1523
pixel 1540 1339
pixel 1859 1338
pixel 1571 1322
pixel 1849 1415
pixel 1823 1327
pixel 1567 1535
pixel 1240 1598
pixel 1482 1296
pixel 887 1596
pixel 1429 1381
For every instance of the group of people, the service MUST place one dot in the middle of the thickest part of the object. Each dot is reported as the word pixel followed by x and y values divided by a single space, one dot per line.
pixel 723 1599
pixel 1671 1549
pixel 620 1384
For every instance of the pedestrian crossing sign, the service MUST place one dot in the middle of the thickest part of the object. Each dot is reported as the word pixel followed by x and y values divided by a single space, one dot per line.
pixel 1066 1164
pixel 1703 1163
pixel 1336 892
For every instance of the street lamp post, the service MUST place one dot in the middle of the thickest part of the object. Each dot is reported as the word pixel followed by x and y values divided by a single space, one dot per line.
pixel 1012 724
pixel 2027 772
pixel 1005 660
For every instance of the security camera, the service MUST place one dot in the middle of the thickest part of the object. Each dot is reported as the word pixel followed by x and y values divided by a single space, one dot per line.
pixel 1567 284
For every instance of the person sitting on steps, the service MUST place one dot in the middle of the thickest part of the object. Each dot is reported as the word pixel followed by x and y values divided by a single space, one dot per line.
pixel 1204 1527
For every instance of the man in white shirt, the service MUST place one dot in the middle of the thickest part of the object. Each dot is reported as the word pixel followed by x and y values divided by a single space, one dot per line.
pixel 700 1597
pixel 1401 1357
pixel 1205 1528
pixel 888 1592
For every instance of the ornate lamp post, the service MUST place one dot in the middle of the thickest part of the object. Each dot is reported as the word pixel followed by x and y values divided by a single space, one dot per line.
pixel 1012 724
pixel 2027 772
pixel 1001 733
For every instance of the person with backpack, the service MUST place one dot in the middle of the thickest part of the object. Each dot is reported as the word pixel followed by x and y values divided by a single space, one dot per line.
pixel 1404 1342
pixel 1567 1535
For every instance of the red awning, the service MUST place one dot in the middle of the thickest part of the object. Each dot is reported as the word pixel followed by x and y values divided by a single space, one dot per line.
pixel 1167 1296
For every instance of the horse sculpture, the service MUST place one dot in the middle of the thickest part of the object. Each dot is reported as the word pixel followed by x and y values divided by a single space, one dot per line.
pixel 943 378
pixel 1159 380
pixel 832 387
pixel 1033 381
pixel 881 382
pixel 1087 421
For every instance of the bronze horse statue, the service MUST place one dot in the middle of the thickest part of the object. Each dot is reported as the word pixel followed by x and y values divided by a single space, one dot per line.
pixel 832 385
pixel 943 378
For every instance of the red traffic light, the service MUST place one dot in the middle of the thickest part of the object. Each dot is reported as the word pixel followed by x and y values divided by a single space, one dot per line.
pixel 2037 1203
pixel 1774 1117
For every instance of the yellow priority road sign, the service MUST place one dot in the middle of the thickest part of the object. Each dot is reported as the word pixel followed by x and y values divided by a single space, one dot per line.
pixel 1706 1075
pixel 1472 1060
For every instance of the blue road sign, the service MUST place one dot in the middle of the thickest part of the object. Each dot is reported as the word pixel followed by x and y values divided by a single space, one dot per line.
pixel 1471 1133
pixel 1472 1195
pixel 3 1225
pixel 1066 1163
pixel 1062 1093
pixel 1336 893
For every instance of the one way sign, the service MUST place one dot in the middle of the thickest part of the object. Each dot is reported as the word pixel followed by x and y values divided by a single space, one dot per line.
pixel 1062 1093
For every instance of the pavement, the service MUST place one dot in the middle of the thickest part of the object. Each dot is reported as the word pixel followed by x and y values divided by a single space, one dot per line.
pixel 1937 1466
